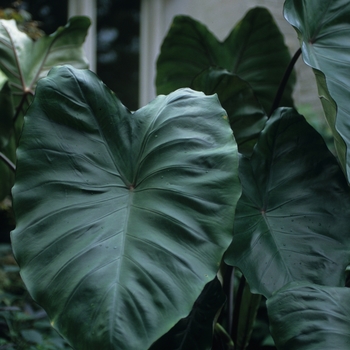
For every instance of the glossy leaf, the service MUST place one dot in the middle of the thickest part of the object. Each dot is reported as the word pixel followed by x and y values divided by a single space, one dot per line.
pixel 246 115
pixel 195 332
pixel 293 217
pixel 123 206
pixel 254 50
pixel 23 69
pixel 307 316
pixel 323 29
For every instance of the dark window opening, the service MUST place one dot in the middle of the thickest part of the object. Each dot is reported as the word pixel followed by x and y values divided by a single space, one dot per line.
pixel 118 27
pixel 49 14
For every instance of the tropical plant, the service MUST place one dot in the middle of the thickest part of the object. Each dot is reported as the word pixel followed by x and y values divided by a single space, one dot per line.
pixel 134 228
pixel 19 74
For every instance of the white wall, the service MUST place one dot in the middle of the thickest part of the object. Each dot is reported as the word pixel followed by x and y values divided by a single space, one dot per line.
pixel 219 16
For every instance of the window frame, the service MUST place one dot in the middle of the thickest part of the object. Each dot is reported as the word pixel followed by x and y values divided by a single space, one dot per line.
pixel 86 8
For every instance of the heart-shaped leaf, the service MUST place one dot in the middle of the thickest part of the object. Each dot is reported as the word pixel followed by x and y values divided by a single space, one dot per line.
pixel 24 61
pixel 293 217
pixel 323 29
pixel 307 316
pixel 246 115
pixel 118 213
pixel 254 50
pixel 196 330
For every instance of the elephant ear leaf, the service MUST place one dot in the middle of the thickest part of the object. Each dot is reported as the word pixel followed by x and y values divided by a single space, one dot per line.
pixel 325 320
pixel 323 29
pixel 254 50
pixel 293 217
pixel 117 212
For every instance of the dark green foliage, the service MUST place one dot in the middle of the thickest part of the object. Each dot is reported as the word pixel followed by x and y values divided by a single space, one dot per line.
pixel 318 317
pixel 23 324
pixel 255 42
pixel 127 229
pixel 295 207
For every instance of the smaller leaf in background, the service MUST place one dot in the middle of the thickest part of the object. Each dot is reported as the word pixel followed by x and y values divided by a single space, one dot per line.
pixel 23 19
pixel 292 221
pixel 323 29
pixel 23 70
pixel 306 316
pixel 22 62
pixel 195 332
pixel 246 115
pixel 254 50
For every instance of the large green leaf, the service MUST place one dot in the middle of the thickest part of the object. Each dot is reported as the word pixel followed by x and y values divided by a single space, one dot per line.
pixel 292 221
pixel 195 332
pixel 24 61
pixel 254 50
pixel 307 316
pixel 246 115
pixel 323 29
pixel 118 213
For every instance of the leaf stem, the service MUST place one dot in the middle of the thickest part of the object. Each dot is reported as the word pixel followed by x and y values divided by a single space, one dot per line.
pixel 284 81
pixel 7 162
pixel 21 104
pixel 234 329
pixel 223 336
pixel 230 300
